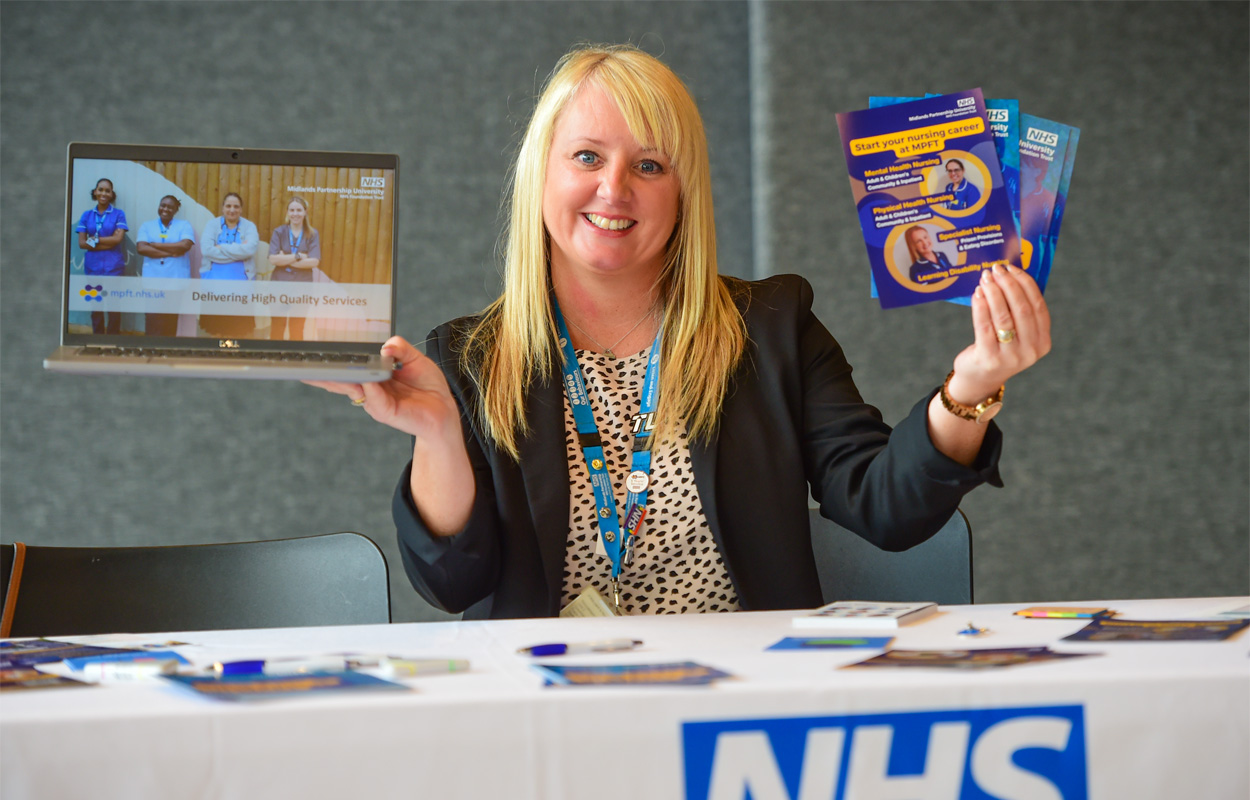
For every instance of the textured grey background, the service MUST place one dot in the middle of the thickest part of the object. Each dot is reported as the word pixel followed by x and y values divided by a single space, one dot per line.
pixel 1126 456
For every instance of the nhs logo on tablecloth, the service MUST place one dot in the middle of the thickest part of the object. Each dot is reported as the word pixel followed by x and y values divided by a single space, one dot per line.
pixel 974 754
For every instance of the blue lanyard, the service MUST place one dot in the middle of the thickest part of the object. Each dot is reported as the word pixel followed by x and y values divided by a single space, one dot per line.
pixel 99 220
pixel 164 230
pixel 618 548
pixel 231 236
pixel 293 241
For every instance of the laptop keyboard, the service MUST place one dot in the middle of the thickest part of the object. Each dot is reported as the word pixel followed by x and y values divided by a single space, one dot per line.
pixel 248 355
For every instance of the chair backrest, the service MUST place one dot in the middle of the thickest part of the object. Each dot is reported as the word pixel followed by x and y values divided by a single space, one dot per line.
pixel 938 570
pixel 331 579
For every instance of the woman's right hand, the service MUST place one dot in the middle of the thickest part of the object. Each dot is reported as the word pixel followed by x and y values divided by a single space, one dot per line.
pixel 416 399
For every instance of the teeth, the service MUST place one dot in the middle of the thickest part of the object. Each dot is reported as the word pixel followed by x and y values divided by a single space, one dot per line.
pixel 609 224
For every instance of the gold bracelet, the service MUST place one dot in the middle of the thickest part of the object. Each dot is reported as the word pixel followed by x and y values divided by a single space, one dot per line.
pixel 981 413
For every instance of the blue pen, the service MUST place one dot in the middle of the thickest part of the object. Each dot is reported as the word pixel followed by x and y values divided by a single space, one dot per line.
pixel 287 666
pixel 572 648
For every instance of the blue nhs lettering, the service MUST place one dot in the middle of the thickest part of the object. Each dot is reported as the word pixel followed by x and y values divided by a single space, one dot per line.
pixel 970 754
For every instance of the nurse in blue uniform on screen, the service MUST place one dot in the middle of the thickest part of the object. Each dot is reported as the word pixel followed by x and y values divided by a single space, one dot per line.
pixel 101 230
pixel 227 246
pixel 966 195
pixel 165 244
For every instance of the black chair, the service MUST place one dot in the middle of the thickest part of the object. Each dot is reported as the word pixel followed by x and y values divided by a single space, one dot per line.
pixel 331 579
pixel 937 570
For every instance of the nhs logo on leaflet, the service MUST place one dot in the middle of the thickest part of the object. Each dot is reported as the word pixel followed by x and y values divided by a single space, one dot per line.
pixel 967 754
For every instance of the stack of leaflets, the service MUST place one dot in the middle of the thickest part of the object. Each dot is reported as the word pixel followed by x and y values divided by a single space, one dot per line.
pixel 1129 630
pixel 247 688
pixel 857 614
pixel 681 673
pixel 949 185
pixel 966 659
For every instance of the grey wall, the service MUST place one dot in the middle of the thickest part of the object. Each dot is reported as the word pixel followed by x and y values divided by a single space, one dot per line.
pixel 1126 459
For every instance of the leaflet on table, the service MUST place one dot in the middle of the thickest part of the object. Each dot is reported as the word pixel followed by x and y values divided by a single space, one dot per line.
pixel 965 659
pixel 928 237
pixel 1004 120
pixel 1061 202
pixel 1131 630
pixel 79 663
pixel 29 652
pixel 1043 147
pixel 831 643
pixel 682 673
pixel 246 688
pixel 26 678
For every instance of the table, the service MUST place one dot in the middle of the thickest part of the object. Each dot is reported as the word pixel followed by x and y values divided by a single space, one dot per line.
pixel 1143 720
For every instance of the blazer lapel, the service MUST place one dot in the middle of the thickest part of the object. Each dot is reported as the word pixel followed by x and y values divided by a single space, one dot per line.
pixel 545 470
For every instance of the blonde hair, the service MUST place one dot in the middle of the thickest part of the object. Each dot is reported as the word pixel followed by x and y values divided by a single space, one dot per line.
pixel 303 204
pixel 911 242
pixel 703 333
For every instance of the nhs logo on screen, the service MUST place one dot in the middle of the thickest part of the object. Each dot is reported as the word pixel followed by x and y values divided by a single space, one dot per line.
pixel 968 754
pixel 369 182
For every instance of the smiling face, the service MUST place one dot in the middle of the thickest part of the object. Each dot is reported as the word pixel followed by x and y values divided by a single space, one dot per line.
pixel 167 209
pixel 923 244
pixel 232 209
pixel 955 172
pixel 295 214
pixel 103 193
pixel 609 204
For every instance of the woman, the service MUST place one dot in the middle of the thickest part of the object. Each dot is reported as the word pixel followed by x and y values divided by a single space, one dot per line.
pixel 611 230
pixel 294 249
pixel 101 230
pixel 966 194
pixel 226 247
pixel 165 244
pixel 926 264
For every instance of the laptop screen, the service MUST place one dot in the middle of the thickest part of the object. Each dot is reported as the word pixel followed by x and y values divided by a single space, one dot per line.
pixel 268 248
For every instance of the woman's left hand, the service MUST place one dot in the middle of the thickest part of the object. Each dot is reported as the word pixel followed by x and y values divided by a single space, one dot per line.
pixel 1012 327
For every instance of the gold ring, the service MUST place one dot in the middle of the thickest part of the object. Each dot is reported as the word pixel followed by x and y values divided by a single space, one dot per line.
pixel 359 402
pixel 1006 335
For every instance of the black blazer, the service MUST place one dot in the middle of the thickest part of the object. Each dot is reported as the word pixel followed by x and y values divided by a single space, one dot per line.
pixel 793 419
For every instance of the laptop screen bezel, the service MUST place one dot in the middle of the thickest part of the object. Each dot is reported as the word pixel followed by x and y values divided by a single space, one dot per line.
pixel 219 155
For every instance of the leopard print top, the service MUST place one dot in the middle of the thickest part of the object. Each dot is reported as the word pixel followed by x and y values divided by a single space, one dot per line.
pixel 677 567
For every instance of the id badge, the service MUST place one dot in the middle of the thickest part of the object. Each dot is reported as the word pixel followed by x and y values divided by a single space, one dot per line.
pixel 92 241
pixel 588 604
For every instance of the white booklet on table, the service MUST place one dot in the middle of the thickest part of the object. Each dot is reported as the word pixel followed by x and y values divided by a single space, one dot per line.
pixel 861 614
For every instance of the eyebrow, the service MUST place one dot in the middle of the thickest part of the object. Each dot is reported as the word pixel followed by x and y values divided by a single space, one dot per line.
pixel 579 140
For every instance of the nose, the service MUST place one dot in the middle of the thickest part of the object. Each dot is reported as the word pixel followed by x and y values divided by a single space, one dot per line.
pixel 614 184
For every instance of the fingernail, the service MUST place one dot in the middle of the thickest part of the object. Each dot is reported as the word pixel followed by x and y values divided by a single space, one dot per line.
pixel 1000 269
pixel 985 275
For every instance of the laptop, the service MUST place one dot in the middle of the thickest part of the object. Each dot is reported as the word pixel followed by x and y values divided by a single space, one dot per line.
pixel 228 263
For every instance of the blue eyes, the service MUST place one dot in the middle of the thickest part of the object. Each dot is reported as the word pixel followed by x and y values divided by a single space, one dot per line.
pixel 646 166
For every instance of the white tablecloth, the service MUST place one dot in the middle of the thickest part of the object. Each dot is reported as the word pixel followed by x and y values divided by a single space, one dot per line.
pixel 1142 720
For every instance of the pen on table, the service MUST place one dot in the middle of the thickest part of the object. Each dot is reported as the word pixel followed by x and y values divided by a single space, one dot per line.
pixel 398 667
pixel 284 666
pixel 572 648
